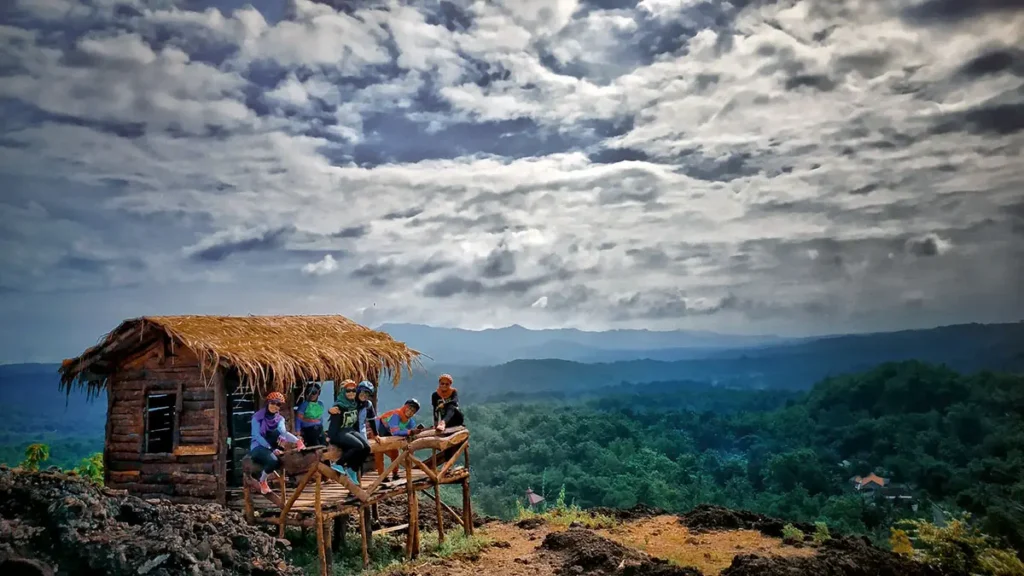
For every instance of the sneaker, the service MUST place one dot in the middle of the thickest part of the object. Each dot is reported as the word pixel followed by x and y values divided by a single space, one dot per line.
pixel 264 487
pixel 339 469
pixel 353 476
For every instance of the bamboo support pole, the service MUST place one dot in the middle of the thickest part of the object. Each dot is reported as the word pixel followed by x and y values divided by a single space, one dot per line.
pixel 467 500
pixel 295 496
pixel 437 506
pixel 363 534
pixel 455 515
pixel 451 461
pixel 319 520
pixel 250 514
pixel 328 527
pixel 467 509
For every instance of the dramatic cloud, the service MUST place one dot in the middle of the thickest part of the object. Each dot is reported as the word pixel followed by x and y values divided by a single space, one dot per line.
pixel 795 166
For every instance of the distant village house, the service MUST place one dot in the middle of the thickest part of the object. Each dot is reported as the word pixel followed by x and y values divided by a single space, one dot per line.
pixel 874 485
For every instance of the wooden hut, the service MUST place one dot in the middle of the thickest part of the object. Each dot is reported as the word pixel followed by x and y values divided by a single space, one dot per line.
pixel 181 390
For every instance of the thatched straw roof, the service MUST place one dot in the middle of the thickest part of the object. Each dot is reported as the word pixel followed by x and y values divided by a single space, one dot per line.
pixel 269 352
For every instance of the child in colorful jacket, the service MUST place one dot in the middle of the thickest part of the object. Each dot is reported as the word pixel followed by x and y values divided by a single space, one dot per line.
pixel 397 422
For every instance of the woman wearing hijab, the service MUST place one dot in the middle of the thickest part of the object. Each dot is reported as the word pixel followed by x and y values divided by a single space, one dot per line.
pixel 445 403
pixel 268 430
pixel 347 429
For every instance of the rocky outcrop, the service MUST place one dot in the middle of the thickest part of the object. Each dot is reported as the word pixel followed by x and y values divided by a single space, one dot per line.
pixel 73 527
pixel 587 553
pixel 837 557
pixel 709 518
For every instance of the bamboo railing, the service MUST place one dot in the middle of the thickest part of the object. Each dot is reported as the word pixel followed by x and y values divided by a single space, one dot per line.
pixel 313 465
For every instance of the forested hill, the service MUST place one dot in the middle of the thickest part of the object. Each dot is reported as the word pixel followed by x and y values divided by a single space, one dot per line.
pixel 953 440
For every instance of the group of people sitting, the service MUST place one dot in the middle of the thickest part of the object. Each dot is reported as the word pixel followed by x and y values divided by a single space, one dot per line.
pixel 352 424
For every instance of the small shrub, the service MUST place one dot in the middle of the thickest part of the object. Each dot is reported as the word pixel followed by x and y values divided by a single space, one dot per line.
pixel 957 547
pixel 821 533
pixel 562 514
pixel 91 468
pixel 35 455
pixel 899 542
pixel 791 534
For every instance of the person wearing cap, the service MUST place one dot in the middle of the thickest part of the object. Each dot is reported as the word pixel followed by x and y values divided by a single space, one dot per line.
pixel 397 422
pixel 268 429
pixel 309 416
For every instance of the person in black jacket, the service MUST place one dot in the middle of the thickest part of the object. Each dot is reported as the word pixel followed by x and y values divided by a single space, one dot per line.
pixel 445 403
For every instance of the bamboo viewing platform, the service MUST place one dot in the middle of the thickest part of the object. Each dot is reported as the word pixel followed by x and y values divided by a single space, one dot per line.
pixel 181 394
pixel 323 499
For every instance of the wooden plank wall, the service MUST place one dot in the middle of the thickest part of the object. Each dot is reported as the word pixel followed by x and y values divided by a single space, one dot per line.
pixel 194 471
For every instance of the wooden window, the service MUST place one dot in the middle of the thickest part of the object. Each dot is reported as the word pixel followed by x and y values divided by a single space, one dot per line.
pixel 160 422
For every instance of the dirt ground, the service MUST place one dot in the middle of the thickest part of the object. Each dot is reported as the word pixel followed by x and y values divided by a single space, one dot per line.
pixel 711 553
pixel 543 550
pixel 516 554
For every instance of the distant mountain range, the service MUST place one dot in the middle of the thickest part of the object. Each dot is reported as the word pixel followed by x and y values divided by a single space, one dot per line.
pixel 792 364
pixel 750 363
pixel 499 345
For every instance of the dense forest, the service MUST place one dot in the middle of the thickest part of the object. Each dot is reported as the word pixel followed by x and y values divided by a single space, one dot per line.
pixel 955 441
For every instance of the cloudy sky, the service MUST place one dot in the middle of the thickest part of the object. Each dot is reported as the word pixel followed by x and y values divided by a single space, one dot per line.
pixel 799 166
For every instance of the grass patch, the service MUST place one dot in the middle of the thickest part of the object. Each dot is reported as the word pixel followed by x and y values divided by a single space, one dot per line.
pixel 387 552
pixel 562 514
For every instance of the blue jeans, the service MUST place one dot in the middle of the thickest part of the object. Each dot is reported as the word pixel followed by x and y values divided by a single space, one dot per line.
pixel 265 458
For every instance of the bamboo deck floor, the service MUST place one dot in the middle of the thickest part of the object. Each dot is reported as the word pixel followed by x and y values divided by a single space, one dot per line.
pixel 335 498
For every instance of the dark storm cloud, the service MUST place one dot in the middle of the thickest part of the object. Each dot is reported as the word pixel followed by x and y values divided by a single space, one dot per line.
pixel 352 232
pixel 392 138
pixel 923 247
pixel 615 155
pixel 451 286
pixel 995 61
pixel 501 262
pixel 988 118
pixel 404 214
pixel 661 304
pixel 499 265
pixel 819 82
pixel 649 257
pixel 953 11
pixel 725 168
pixel 15 114
pixel 265 241
pixel 570 298
pixel 376 273
pixel 99 265
pixel 608 4
pixel 433 265
pixel 451 16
